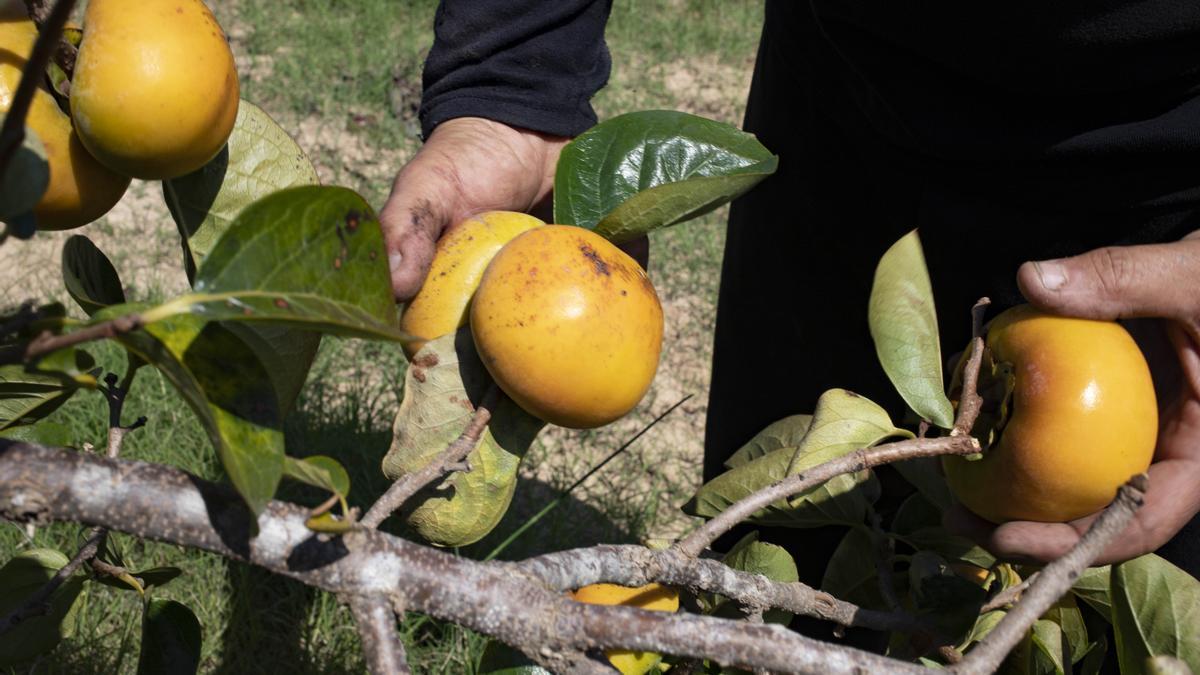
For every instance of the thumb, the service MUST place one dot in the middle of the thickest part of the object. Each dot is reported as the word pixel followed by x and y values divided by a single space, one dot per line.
pixel 413 219
pixel 1153 280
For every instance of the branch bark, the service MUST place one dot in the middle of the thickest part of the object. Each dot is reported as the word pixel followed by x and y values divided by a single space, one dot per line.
pixel 376 624
pixel 1053 581
pixel 166 504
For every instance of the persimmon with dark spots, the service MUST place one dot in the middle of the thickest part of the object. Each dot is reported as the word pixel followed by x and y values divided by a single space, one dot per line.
pixel 576 344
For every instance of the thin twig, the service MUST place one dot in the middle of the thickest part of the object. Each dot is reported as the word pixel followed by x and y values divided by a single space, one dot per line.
pixel 1054 580
pixel 450 459
pixel 863 458
pixel 1007 596
pixel 978 311
pixel 969 400
pixel 376 623
pixel 12 133
pixel 39 603
pixel 883 562
pixel 48 342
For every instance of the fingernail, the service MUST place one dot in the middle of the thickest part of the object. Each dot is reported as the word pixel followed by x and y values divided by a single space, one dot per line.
pixel 1052 274
pixel 394 260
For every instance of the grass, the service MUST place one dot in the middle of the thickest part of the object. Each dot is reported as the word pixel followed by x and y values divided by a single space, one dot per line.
pixel 344 77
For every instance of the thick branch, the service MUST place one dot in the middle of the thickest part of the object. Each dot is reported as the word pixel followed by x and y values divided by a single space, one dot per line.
pixel 166 504
pixel 451 459
pixel 858 460
pixel 1053 581
pixel 376 624
pixel 637 566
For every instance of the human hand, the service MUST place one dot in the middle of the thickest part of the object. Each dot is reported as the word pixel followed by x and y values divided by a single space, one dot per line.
pixel 1159 282
pixel 468 165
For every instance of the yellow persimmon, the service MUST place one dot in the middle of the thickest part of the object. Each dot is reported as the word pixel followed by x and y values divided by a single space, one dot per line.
pixel 653 597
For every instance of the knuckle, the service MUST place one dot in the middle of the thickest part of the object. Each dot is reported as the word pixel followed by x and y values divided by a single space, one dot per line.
pixel 1114 269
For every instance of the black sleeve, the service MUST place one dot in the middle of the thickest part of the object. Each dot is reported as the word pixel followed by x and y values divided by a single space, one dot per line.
pixel 527 63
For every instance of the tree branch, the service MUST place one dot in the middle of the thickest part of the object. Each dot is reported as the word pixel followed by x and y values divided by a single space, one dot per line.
pixel 637 565
pixel 48 342
pixel 1053 581
pixel 1007 596
pixel 451 459
pixel 165 504
pixel 858 460
pixel 376 624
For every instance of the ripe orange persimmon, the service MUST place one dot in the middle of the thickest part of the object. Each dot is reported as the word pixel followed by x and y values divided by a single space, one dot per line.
pixel 1082 419
pixel 568 325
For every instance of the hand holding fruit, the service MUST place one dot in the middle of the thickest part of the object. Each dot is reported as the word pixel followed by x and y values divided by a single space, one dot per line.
pixel 467 165
pixel 1159 281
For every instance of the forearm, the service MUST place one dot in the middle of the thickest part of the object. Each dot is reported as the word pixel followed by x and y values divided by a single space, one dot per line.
pixel 525 63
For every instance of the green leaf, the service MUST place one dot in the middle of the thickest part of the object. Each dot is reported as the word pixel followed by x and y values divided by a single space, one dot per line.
pixel 903 324
pixel 773 562
pixel 51 434
pixel 915 513
pixel 259 158
pixel 444 379
pixel 851 574
pixel 843 422
pixel 227 388
pixel 1156 609
pixel 90 278
pixel 306 257
pixel 318 471
pixel 170 639
pixel 22 576
pixel 1093 661
pixel 286 353
pixel 1093 587
pixel 925 475
pixel 1049 645
pixel 785 433
pixel 949 546
pixel 983 625
pixel 25 179
pixel 641 171
pixel 29 393
pixel 840 501
pixel 1066 614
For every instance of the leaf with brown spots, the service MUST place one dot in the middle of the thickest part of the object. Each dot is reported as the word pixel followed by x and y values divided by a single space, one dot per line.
pixel 277 264
pixel 446 377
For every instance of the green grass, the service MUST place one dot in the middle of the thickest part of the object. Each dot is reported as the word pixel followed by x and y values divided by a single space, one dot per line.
pixel 354 66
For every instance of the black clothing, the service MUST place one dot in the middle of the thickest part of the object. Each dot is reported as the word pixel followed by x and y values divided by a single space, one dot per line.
pixel 1005 134
pixel 526 63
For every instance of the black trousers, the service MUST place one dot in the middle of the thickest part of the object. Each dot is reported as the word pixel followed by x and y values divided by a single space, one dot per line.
pixel 803 245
